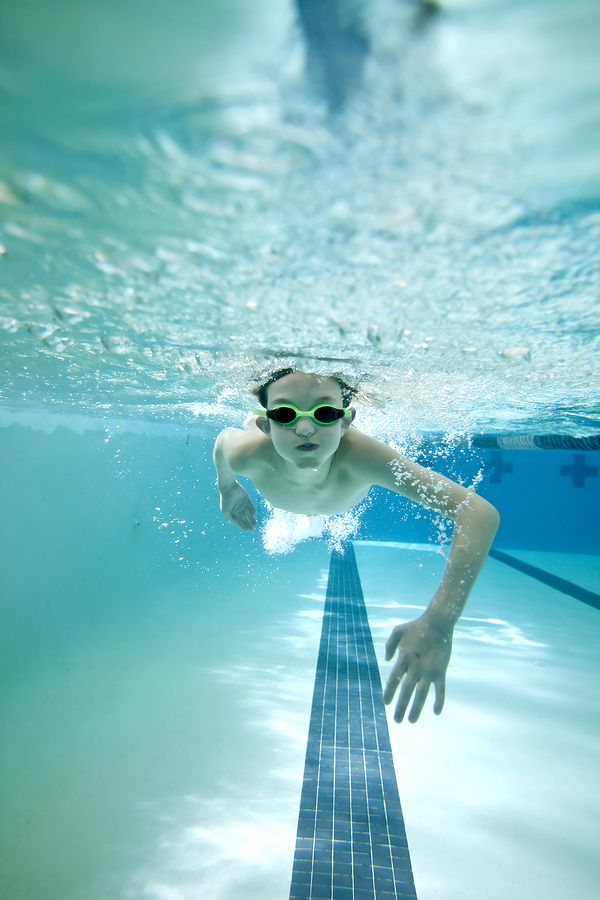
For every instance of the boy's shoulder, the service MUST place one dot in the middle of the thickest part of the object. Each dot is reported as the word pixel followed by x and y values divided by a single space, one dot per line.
pixel 360 446
pixel 369 458
pixel 243 447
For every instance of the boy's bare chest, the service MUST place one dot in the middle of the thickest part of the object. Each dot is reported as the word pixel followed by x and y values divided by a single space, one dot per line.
pixel 339 493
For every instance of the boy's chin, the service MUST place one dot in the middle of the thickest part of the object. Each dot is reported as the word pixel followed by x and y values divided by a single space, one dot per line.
pixel 311 461
pixel 308 462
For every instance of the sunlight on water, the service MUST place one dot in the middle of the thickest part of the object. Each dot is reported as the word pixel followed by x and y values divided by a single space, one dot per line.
pixel 231 850
pixel 494 631
pixel 435 241
pixel 501 780
pixel 238 843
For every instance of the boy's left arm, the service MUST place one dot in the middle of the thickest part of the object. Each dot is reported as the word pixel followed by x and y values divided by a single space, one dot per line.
pixel 425 644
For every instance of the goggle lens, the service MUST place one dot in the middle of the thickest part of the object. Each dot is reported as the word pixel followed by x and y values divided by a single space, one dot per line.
pixel 323 415
pixel 328 414
pixel 283 416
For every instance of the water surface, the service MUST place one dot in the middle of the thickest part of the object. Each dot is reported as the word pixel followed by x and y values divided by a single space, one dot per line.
pixel 179 210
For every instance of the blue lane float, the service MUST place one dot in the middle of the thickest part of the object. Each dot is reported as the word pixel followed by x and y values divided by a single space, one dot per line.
pixel 351 842
pixel 535 442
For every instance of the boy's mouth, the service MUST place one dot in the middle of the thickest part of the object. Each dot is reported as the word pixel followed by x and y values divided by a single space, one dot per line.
pixel 307 446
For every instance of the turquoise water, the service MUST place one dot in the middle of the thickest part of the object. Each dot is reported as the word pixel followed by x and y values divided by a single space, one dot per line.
pixel 156 694
pixel 177 210
pixel 499 794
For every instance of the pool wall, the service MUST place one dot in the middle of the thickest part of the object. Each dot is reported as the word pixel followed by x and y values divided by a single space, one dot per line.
pixel 547 499
pixel 92 516
pixel 93 523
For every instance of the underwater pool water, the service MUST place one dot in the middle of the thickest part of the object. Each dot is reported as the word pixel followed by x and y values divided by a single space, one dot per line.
pixel 499 793
pixel 178 209
pixel 157 670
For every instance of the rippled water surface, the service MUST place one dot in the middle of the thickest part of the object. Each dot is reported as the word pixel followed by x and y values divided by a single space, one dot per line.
pixel 178 210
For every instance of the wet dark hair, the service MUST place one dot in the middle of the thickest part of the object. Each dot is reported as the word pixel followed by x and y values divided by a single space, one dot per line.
pixel 263 384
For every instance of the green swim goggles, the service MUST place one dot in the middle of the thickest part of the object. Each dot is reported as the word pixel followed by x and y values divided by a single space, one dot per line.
pixel 287 414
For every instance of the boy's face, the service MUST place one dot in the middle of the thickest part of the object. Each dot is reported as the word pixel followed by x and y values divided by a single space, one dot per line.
pixel 305 444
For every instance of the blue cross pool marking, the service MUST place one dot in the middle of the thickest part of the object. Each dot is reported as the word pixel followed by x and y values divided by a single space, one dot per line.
pixel 579 471
pixel 351 842
pixel 497 468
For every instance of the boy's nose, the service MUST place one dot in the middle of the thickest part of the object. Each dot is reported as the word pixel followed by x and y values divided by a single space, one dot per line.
pixel 304 425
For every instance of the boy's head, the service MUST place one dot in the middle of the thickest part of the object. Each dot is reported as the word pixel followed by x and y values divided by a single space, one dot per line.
pixel 261 390
pixel 305 443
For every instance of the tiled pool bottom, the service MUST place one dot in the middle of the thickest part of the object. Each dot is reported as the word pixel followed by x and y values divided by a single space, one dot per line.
pixel 500 794
pixel 160 756
pixel 351 842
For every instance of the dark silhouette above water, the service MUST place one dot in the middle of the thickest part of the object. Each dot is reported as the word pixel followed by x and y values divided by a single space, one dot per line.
pixel 337 43
pixel 336 47
pixel 425 11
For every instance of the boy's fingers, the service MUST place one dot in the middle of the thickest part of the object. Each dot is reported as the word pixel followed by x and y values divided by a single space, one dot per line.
pixel 247 510
pixel 390 690
pixel 393 642
pixel 406 693
pixel 244 516
pixel 396 676
pixel 440 696
pixel 419 701
pixel 245 521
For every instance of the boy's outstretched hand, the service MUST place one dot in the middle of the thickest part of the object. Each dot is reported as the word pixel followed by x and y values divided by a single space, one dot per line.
pixel 238 508
pixel 423 658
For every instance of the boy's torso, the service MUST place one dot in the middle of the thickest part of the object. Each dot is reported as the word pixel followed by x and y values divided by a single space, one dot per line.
pixel 341 488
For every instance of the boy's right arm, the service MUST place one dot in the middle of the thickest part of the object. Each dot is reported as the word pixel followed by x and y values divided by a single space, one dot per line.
pixel 236 505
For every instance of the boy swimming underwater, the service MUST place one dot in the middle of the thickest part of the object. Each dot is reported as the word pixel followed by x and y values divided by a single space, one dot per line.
pixel 305 456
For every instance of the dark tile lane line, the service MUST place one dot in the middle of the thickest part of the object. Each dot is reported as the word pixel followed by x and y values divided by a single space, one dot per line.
pixel 559 584
pixel 351 842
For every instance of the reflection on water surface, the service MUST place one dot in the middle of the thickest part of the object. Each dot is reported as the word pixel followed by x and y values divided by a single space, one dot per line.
pixel 177 215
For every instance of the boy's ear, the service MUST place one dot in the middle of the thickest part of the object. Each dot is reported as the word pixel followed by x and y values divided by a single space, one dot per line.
pixel 263 424
pixel 347 422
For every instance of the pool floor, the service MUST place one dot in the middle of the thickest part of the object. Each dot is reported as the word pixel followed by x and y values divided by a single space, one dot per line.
pixel 500 793
pixel 161 755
